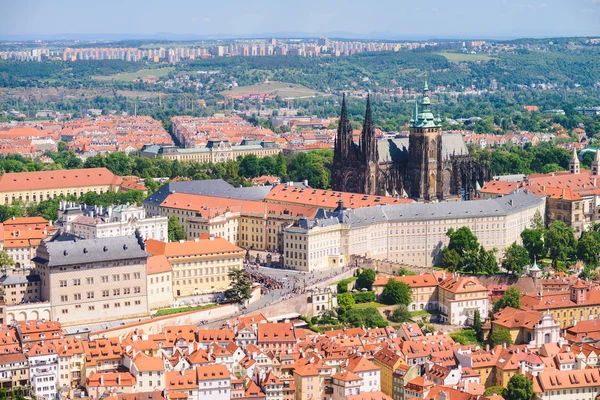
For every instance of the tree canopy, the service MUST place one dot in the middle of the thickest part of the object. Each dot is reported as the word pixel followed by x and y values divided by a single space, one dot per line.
pixel 510 298
pixel 396 292
pixel 515 259
pixel 365 279
pixel 241 286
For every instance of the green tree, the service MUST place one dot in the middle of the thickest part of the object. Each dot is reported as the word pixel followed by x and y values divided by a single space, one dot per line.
pixel 396 292
pixel 241 286
pixel 369 317
pixel 534 243
pixel 346 302
pixel 176 232
pixel 510 298
pixel 249 166
pixel 450 260
pixel 588 248
pixel 5 260
pixel 462 240
pixel 500 337
pixel 515 259
pixel 494 390
pixel 478 325
pixel 365 279
pixel 401 314
pixel 560 242
pixel 538 221
pixel 402 271
pixel 519 388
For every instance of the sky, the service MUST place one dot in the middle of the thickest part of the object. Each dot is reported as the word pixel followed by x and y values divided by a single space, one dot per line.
pixel 397 19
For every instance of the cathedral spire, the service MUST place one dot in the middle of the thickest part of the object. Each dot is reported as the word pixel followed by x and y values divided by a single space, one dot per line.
pixel 344 130
pixel 368 142
pixel 416 113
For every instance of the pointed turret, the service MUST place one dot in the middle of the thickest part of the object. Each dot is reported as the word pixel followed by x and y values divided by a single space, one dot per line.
pixel 368 142
pixel 344 133
pixel 596 163
pixel 415 117
pixel 574 163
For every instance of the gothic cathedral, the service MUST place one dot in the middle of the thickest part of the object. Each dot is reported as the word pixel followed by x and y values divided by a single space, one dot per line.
pixel 428 165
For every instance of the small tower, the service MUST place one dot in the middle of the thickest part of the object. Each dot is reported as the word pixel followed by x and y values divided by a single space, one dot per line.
pixel 596 163
pixel 579 291
pixel 535 271
pixel 574 163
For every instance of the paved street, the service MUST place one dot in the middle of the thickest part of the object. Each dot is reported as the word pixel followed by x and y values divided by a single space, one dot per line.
pixel 294 283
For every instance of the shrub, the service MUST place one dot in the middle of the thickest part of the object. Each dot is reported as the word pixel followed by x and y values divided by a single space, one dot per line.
pixel 363 297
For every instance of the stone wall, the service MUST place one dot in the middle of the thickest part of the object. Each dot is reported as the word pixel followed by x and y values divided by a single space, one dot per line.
pixel 29 311
pixel 156 325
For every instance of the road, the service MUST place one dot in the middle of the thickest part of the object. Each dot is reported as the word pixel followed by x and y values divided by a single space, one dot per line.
pixel 295 284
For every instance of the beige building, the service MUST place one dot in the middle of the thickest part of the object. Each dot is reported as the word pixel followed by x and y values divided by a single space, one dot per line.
pixel 424 290
pixel 33 187
pixel 312 245
pixel 249 224
pixel 160 282
pixel 460 297
pixel 94 280
pixel 17 289
pixel 14 370
pixel 216 151
pixel 408 233
pixel 200 265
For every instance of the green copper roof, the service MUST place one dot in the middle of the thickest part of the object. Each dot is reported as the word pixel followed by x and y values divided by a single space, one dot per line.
pixel 425 118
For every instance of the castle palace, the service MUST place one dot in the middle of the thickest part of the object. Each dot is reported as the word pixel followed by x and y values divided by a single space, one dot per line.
pixel 428 165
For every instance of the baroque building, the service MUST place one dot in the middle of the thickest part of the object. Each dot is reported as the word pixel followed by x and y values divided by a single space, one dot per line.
pixel 428 165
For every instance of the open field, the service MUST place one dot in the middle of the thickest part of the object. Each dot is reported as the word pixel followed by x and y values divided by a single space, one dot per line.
pixel 459 57
pixel 129 76
pixel 285 90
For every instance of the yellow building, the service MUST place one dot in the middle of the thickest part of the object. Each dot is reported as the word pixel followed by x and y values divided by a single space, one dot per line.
pixel 247 223
pixel 33 187
pixel 520 323
pixel 388 361
pixel 580 303
pixel 307 382
pixel 200 265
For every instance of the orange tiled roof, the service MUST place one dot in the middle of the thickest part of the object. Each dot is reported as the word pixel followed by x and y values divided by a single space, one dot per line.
pixel 17 181
pixel 199 247
pixel 158 264
pixel 283 193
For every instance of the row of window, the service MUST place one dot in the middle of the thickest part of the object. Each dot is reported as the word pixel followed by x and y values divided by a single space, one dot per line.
pixel 104 278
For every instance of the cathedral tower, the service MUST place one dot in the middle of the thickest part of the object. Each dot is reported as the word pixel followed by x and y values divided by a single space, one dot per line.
pixel 369 153
pixel 425 152
pixel 345 174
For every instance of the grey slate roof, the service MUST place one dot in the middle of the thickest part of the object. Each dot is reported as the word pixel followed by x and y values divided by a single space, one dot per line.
pixel 209 187
pixel 18 279
pixel 436 211
pixel 396 150
pixel 92 250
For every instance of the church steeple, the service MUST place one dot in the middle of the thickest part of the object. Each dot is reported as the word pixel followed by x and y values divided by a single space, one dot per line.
pixel 343 140
pixel 425 118
pixel 574 163
pixel 368 142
